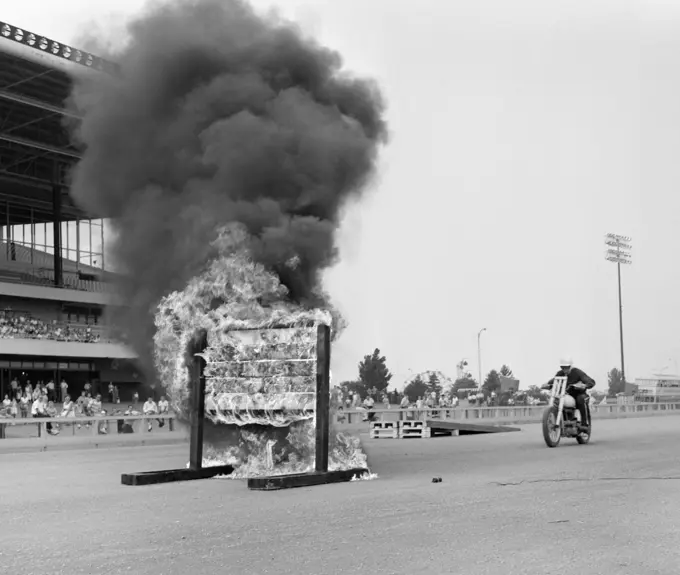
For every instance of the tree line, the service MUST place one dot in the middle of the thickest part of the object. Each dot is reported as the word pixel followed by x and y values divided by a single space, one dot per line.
pixel 374 379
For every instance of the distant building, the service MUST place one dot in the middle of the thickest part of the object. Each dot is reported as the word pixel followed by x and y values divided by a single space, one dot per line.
pixel 658 388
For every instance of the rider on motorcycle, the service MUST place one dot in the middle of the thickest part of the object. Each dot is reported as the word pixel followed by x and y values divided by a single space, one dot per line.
pixel 577 384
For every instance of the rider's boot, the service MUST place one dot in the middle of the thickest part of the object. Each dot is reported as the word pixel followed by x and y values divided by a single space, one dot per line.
pixel 583 423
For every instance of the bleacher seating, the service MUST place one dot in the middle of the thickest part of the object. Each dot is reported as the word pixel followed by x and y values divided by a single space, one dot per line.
pixel 22 325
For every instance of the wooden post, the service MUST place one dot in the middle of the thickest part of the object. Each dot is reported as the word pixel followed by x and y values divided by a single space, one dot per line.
pixel 323 365
pixel 198 344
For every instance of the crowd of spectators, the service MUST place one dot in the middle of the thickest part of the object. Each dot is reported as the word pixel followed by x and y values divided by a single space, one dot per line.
pixel 430 401
pixel 23 326
pixel 40 402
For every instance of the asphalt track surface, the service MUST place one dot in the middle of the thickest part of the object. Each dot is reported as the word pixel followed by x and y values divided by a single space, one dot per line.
pixel 507 505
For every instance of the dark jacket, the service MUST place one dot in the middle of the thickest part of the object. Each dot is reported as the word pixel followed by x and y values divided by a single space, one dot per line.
pixel 575 376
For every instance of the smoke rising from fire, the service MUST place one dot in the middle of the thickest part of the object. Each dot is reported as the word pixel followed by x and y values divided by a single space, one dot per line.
pixel 221 115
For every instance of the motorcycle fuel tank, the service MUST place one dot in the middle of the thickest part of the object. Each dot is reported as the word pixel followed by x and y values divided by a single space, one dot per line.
pixel 569 402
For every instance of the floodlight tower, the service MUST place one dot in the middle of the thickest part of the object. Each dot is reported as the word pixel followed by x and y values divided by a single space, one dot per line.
pixel 618 251
pixel 461 369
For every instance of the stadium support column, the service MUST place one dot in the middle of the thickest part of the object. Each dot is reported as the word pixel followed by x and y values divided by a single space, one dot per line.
pixel 101 229
pixel 77 243
pixel 56 218
pixel 32 237
pixel 9 229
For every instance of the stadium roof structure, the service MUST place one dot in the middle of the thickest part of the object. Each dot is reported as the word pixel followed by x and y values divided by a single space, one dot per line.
pixel 36 75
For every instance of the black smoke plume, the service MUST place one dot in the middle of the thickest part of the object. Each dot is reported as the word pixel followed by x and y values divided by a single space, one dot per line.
pixel 217 115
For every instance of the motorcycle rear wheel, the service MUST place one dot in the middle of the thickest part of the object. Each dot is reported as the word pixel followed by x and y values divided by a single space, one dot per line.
pixel 551 433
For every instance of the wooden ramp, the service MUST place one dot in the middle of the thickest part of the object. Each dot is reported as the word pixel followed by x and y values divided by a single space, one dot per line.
pixel 443 427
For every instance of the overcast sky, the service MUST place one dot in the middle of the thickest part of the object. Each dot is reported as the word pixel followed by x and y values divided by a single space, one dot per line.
pixel 522 132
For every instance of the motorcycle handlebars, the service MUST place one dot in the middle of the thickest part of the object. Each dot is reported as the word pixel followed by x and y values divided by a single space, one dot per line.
pixel 580 385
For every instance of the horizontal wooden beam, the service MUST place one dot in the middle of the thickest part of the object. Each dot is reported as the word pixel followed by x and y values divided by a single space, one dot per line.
pixel 173 475
pixel 276 482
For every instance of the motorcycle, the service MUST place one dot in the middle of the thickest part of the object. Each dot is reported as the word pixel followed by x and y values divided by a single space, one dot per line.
pixel 561 418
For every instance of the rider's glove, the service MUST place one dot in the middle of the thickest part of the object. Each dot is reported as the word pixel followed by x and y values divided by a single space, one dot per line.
pixel 546 386
pixel 579 385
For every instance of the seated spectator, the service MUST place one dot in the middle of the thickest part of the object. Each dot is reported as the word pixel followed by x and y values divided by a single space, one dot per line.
pixel 51 411
pixel 127 426
pixel 24 405
pixel 150 408
pixel 163 407
pixel 82 400
pixel 87 408
pixel 96 410
pixel 39 410
pixel 368 404
pixel 68 409
pixel 95 406
pixel 82 407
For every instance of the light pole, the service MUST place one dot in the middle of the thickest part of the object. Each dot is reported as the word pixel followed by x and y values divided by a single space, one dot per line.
pixel 479 355
pixel 619 253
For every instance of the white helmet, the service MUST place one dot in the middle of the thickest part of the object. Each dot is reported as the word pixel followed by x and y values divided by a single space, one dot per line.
pixel 566 361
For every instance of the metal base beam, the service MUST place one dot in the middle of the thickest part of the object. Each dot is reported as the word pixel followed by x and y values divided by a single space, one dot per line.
pixel 276 482
pixel 172 475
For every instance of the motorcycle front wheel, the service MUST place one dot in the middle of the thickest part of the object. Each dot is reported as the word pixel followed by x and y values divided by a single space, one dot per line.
pixel 551 432
pixel 584 437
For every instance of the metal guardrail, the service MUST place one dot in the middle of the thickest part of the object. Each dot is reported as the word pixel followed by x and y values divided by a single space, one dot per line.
pixel 31 274
pixel 96 424
pixel 139 423
pixel 524 413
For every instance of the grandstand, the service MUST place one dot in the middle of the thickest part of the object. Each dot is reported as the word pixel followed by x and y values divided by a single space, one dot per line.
pixel 54 282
